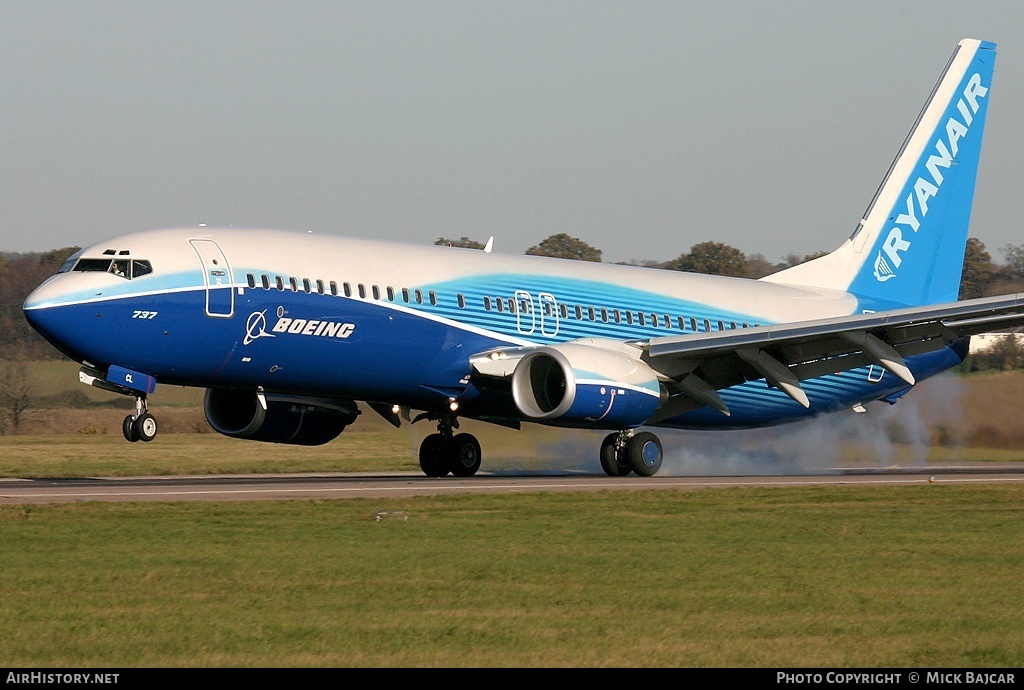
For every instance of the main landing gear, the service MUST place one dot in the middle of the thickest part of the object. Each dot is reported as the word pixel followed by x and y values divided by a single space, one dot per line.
pixel 626 451
pixel 446 451
pixel 140 426
pixel 622 452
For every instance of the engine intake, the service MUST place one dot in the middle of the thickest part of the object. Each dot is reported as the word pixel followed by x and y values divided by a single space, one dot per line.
pixel 277 418
pixel 586 385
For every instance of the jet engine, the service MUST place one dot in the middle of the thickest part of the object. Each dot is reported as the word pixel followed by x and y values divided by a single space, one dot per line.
pixel 586 383
pixel 277 418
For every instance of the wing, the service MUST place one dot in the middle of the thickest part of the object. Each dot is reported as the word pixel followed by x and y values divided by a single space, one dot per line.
pixel 786 354
pixel 694 367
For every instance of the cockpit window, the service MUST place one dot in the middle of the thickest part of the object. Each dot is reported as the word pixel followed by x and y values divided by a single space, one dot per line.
pixel 69 263
pixel 86 265
pixel 123 268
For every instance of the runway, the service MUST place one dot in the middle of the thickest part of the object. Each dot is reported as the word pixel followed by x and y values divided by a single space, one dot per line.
pixel 398 485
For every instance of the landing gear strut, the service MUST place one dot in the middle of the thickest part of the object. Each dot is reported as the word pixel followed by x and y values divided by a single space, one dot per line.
pixel 446 451
pixel 140 426
pixel 626 451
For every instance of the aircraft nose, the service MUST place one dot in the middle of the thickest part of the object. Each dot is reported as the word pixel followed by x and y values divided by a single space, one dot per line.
pixel 47 293
pixel 47 316
pixel 43 320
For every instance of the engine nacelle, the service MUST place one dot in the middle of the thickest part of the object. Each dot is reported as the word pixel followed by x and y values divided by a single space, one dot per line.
pixel 586 384
pixel 277 418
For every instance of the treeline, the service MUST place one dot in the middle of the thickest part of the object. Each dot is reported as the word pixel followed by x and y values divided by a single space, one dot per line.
pixel 981 275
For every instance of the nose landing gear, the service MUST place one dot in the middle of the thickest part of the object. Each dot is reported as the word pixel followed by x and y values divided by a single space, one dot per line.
pixel 140 426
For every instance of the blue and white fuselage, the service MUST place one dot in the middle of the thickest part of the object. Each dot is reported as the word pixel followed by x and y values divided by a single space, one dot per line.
pixel 384 322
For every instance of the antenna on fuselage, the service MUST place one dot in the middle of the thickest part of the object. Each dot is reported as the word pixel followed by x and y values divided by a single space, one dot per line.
pixel 490 244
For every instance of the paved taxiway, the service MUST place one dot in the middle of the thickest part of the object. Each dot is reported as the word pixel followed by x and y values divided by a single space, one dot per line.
pixel 397 485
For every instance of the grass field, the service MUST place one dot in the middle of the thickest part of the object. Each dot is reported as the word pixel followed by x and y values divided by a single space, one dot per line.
pixel 848 576
pixel 870 577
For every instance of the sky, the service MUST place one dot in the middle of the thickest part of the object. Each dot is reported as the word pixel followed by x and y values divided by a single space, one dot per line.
pixel 640 127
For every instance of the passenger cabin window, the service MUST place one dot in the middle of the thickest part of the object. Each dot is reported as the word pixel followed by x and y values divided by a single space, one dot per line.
pixel 265 279
pixel 462 300
pixel 251 280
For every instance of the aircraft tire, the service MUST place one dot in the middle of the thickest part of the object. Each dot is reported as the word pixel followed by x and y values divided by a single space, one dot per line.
pixel 645 454
pixel 128 429
pixel 434 456
pixel 610 462
pixel 465 455
pixel 145 427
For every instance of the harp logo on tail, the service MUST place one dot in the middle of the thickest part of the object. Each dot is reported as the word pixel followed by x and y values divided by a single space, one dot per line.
pixel 883 271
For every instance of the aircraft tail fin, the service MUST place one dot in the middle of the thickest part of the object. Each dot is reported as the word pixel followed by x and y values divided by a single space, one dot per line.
pixel 909 247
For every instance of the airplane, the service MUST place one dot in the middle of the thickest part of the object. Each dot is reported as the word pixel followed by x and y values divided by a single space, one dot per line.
pixel 289 332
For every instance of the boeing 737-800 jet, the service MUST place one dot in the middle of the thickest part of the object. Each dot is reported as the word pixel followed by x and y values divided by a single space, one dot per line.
pixel 287 332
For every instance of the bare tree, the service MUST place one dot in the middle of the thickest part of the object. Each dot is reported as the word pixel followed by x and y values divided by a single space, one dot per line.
pixel 15 388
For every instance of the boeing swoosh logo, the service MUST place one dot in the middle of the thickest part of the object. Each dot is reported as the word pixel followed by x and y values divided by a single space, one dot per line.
pixel 256 327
